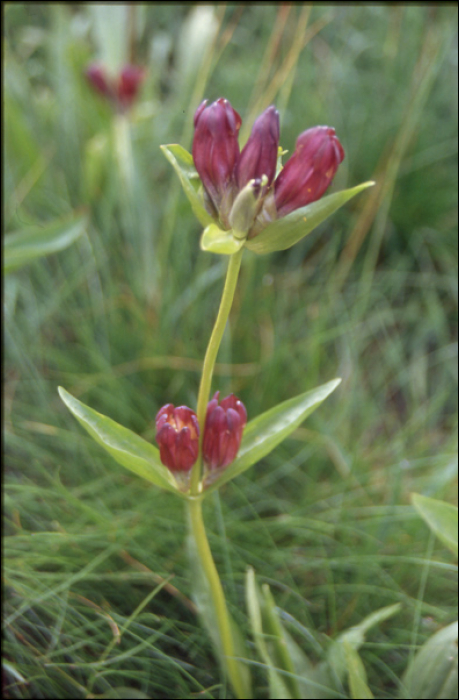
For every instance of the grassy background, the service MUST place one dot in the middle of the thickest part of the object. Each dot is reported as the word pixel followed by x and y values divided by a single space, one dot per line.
pixel 95 572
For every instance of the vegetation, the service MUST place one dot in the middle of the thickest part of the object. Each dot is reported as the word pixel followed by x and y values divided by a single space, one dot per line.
pixel 117 306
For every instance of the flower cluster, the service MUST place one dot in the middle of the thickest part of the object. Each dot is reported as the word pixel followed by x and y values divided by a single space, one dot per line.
pixel 240 188
pixel 121 90
pixel 177 434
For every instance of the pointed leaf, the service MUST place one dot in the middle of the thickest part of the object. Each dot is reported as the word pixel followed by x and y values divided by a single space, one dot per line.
pixel 255 603
pixel 264 433
pixel 433 671
pixel 315 682
pixel 183 164
pixel 22 247
pixel 290 229
pixel 127 448
pixel 441 517
pixel 278 642
pixel 355 637
pixel 215 240
pixel 357 674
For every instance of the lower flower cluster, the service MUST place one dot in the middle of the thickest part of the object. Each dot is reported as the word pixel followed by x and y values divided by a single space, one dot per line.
pixel 177 434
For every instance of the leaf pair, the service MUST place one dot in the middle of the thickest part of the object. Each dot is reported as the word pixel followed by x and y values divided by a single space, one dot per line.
pixel 261 436
pixel 278 235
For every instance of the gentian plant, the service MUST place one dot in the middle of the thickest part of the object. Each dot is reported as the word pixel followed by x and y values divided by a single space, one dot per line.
pixel 243 199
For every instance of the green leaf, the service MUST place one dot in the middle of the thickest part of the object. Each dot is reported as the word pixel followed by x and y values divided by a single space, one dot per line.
pixel 22 247
pixel 122 694
pixel 290 229
pixel 264 433
pixel 127 448
pixel 433 671
pixel 355 637
pixel 182 162
pixel 215 240
pixel 278 642
pixel 314 681
pixel 255 604
pixel 357 674
pixel 441 517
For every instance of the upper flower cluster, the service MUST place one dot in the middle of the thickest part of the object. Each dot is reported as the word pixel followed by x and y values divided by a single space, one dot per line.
pixel 177 434
pixel 240 188
pixel 120 90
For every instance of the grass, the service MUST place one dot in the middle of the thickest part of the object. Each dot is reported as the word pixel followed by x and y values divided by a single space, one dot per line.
pixel 96 588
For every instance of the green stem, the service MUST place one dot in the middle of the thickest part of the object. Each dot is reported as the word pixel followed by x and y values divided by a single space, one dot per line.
pixel 123 149
pixel 211 355
pixel 198 531
pixel 218 598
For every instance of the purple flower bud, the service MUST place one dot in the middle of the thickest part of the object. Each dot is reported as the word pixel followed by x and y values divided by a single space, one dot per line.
pixel 129 81
pixel 121 90
pixel 310 170
pixel 259 155
pixel 98 79
pixel 223 431
pixel 177 434
pixel 216 151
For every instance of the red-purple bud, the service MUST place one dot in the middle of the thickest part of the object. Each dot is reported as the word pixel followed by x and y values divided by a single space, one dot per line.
pixel 129 81
pixel 216 151
pixel 98 79
pixel 259 155
pixel 177 434
pixel 310 170
pixel 223 431
pixel 121 90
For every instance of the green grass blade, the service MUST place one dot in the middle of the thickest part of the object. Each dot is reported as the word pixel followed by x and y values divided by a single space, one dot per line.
pixel 441 517
pixel 356 672
pixel 22 247
pixel 354 637
pixel 255 604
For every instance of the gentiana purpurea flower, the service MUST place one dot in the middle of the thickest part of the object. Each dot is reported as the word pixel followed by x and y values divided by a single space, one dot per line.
pixel 240 187
pixel 120 90
pixel 310 170
pixel 177 434
pixel 216 152
pixel 225 423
